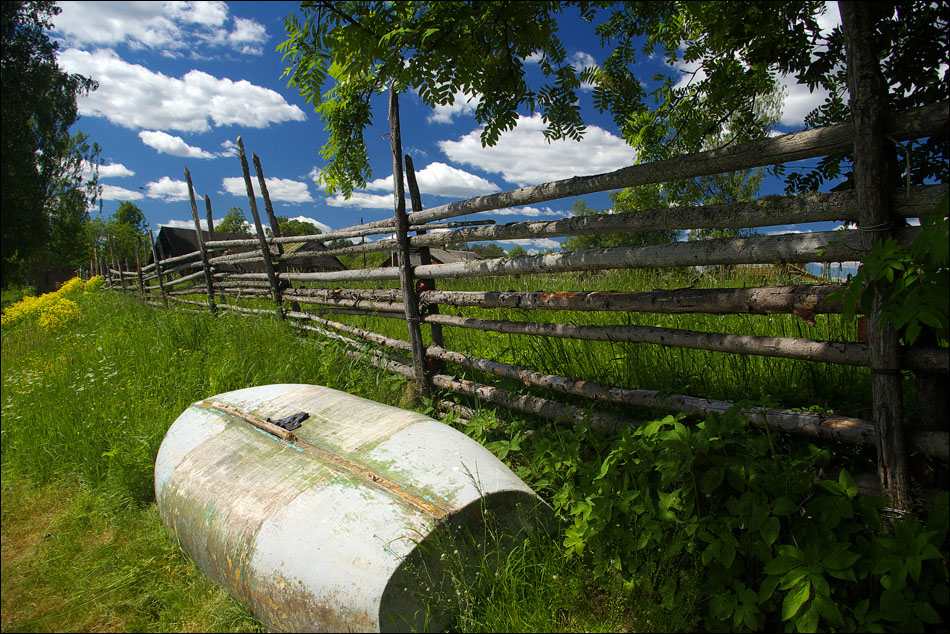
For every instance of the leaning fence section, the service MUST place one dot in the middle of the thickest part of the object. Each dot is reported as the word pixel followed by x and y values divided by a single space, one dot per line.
pixel 420 317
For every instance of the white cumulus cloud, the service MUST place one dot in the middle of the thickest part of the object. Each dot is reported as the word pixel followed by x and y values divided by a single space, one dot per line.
pixel 248 36
pixel 133 96
pixel 530 212
pixel 537 243
pixel 523 156
pixel 321 225
pixel 581 60
pixel 462 104
pixel 439 179
pixel 174 145
pixel 169 190
pixel 112 170
pixel 279 189
pixel 111 192
pixel 366 201
pixel 169 28
pixel 230 149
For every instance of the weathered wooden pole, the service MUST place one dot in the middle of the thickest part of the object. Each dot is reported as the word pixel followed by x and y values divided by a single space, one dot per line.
pixel 158 266
pixel 872 180
pixel 210 221
pixel 434 366
pixel 148 286
pixel 265 251
pixel 115 265
pixel 138 268
pixel 274 224
pixel 209 279
pixel 410 298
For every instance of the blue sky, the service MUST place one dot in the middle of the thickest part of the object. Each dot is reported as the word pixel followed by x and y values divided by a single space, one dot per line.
pixel 180 81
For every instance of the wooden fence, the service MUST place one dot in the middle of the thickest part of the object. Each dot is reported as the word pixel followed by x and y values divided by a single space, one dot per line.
pixel 417 301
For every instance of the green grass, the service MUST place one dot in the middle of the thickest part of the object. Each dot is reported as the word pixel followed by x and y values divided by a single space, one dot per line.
pixel 83 414
pixel 84 411
pixel 732 377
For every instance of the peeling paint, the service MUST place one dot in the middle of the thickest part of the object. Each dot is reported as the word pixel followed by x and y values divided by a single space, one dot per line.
pixel 315 534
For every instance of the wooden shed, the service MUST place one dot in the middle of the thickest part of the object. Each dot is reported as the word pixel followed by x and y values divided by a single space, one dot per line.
pixel 172 242
pixel 439 256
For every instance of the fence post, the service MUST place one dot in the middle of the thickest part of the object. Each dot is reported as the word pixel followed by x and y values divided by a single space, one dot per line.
pixel 872 183
pixel 210 222
pixel 410 298
pixel 265 251
pixel 201 243
pixel 115 264
pixel 138 269
pixel 434 366
pixel 148 287
pixel 274 224
pixel 158 266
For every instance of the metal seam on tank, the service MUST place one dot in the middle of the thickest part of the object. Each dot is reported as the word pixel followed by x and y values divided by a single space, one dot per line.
pixel 339 463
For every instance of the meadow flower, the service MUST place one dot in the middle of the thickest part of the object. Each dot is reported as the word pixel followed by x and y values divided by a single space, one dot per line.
pixel 58 314
pixel 71 287
pixel 94 283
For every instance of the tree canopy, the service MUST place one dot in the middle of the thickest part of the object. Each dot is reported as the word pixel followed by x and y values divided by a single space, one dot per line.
pixel 45 188
pixel 295 227
pixel 631 238
pixel 735 50
pixel 234 222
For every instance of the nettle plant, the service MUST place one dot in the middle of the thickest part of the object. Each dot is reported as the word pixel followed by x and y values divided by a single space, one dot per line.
pixel 914 281
pixel 729 525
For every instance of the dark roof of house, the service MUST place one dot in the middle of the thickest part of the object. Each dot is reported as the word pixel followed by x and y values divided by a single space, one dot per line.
pixel 173 241
pixel 439 256
pixel 313 262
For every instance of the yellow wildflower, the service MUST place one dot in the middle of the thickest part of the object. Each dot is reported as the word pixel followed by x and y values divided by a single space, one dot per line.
pixel 94 283
pixel 59 313
pixel 72 287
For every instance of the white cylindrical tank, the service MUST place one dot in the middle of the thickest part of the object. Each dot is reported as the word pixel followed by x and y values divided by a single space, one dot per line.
pixel 338 525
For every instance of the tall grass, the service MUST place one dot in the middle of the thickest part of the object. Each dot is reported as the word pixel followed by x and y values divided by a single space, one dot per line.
pixel 782 382
pixel 85 408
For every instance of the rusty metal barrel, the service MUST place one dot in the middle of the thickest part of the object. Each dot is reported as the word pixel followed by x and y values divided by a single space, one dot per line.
pixel 340 524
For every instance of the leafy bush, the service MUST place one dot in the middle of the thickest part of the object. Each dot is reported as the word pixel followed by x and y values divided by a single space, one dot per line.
pixel 53 310
pixel 914 282
pixel 717 519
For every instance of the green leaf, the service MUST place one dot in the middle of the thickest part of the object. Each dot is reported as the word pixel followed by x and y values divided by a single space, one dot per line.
pixel 839 559
pixel 828 610
pixel 783 506
pixel 795 599
pixel 926 613
pixel 770 530
pixel 847 483
pixel 768 588
pixel 781 565
pixel 808 622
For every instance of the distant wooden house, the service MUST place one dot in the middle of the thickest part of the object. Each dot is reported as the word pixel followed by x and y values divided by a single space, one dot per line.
pixel 314 262
pixel 439 256
pixel 173 242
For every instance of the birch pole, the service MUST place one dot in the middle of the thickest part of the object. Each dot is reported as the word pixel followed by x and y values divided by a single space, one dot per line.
pixel 868 115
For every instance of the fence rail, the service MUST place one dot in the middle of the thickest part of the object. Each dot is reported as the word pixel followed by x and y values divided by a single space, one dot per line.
pixel 417 302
